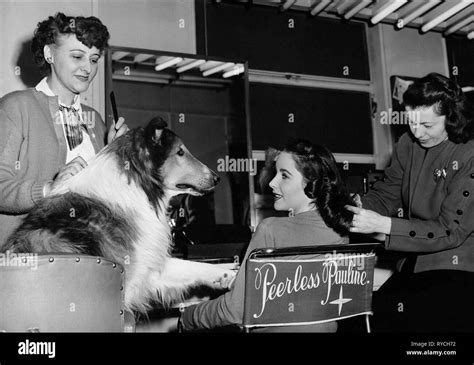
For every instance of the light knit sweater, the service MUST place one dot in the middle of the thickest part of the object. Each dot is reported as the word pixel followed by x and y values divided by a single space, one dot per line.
pixel 32 150
pixel 304 229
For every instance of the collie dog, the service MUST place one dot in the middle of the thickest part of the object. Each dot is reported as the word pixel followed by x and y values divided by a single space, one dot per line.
pixel 116 208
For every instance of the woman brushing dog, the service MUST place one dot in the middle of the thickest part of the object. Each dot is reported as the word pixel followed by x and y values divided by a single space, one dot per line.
pixel 47 134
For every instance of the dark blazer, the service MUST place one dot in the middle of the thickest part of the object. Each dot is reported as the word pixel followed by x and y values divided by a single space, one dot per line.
pixel 430 199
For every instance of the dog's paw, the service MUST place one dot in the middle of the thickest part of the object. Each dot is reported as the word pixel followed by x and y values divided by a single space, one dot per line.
pixel 225 280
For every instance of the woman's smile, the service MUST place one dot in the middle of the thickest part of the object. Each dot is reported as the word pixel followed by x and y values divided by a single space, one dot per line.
pixel 73 69
pixel 83 78
pixel 288 186
pixel 277 196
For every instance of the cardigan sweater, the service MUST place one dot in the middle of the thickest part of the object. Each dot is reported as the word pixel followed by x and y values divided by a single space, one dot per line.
pixel 85 149
pixel 303 229
pixel 428 192
pixel 32 150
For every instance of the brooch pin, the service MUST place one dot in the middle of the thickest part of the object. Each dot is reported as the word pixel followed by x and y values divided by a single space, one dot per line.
pixel 438 173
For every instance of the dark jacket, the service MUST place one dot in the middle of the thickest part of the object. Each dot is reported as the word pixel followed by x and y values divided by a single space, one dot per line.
pixel 430 198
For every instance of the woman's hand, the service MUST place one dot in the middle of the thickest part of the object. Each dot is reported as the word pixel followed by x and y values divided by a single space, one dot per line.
pixel 65 173
pixel 117 129
pixel 379 236
pixel 357 200
pixel 226 281
pixel 270 155
pixel 368 221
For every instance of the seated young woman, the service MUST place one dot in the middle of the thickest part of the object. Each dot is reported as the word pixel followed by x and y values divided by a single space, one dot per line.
pixel 308 185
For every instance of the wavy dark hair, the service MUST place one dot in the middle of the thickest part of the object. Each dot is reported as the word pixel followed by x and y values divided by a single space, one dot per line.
pixel 324 184
pixel 89 31
pixel 448 99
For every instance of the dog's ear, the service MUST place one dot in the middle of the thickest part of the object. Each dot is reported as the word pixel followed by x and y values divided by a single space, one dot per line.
pixel 155 129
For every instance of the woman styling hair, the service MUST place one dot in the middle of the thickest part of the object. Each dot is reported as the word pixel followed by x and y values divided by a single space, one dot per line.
pixel 431 181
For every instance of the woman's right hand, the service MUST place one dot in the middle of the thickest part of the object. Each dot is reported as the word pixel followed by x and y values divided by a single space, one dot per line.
pixel 65 173
pixel 357 201
pixel 270 155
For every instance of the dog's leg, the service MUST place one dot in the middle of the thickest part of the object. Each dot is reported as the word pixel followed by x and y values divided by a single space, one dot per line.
pixel 188 273
pixel 178 276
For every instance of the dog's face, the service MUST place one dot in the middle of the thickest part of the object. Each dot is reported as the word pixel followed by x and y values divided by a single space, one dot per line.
pixel 185 174
pixel 180 171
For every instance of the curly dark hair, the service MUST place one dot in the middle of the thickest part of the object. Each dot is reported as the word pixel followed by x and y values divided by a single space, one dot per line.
pixel 89 31
pixel 449 100
pixel 324 183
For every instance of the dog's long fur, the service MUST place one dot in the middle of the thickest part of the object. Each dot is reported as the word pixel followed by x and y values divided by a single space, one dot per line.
pixel 117 208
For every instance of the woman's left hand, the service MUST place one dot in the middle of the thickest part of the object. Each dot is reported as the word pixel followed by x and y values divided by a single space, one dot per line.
pixel 117 129
pixel 368 221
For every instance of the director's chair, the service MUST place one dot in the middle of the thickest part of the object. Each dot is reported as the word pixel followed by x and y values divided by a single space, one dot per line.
pixel 308 285
pixel 62 293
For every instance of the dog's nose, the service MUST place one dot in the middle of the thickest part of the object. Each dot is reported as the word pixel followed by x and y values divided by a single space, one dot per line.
pixel 216 179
